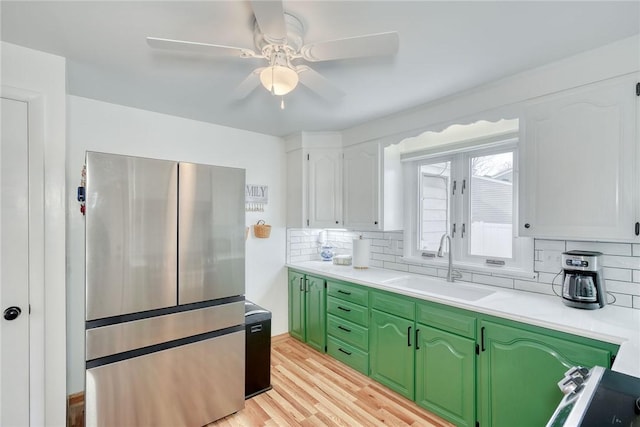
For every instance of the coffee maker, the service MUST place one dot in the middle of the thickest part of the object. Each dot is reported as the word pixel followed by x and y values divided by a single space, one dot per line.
pixel 582 280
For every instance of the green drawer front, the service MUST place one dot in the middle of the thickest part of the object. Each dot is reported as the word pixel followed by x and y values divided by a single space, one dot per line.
pixel 348 292
pixel 352 312
pixel 348 332
pixel 393 304
pixel 349 355
pixel 446 320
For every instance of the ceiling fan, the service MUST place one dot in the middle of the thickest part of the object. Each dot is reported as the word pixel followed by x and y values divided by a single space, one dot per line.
pixel 278 38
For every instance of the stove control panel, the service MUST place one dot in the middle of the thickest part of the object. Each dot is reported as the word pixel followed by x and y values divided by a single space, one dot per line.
pixel 597 397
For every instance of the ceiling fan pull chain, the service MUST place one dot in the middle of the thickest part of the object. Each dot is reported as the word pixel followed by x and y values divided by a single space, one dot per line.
pixel 272 81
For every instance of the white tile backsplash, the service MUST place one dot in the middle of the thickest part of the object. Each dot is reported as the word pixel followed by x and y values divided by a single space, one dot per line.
pixel 621 261
pixel 605 248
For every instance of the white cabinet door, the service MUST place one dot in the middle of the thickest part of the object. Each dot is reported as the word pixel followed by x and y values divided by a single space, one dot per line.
pixel 577 163
pixel 362 187
pixel 325 188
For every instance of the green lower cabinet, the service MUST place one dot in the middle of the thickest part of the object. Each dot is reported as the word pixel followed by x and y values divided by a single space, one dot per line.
pixel 391 352
pixel 296 305
pixel 307 309
pixel 460 365
pixel 519 371
pixel 348 354
pixel 446 374
pixel 315 313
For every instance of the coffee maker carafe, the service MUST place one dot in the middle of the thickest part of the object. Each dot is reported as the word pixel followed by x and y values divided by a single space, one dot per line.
pixel 582 281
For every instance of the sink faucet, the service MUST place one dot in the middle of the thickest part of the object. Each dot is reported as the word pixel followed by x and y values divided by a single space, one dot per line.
pixel 451 273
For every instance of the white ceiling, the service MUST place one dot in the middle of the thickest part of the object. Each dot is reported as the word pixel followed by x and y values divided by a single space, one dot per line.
pixel 445 47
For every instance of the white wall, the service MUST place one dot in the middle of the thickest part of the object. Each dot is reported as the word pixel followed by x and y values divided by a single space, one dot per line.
pixel 40 78
pixel 99 126
pixel 493 100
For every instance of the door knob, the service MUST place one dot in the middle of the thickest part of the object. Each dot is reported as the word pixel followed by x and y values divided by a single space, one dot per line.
pixel 12 312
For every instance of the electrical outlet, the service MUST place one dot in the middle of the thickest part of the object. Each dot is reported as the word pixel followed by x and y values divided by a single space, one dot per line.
pixel 548 261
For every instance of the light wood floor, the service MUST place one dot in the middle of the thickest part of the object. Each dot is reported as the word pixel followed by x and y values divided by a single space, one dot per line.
pixel 312 389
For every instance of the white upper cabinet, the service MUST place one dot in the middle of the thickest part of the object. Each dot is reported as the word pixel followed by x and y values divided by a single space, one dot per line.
pixel 372 187
pixel 361 187
pixel 325 187
pixel 578 163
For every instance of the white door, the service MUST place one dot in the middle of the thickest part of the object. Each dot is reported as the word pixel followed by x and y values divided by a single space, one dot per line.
pixel 14 265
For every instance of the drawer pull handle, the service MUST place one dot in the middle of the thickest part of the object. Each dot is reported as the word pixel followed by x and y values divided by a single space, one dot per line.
pixel 343 292
pixel 343 328
pixel 344 309
pixel 348 353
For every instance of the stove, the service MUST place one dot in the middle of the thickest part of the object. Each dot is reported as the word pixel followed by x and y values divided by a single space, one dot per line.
pixel 597 398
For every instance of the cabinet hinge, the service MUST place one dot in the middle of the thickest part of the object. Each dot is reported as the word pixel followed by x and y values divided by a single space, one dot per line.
pixel 477 348
pixel 612 359
pixel 325 285
pixel 637 89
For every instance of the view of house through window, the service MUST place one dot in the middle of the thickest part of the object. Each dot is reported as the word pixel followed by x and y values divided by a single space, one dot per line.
pixel 434 201
pixel 491 205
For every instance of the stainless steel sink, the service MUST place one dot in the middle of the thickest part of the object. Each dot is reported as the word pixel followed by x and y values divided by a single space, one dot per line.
pixel 437 288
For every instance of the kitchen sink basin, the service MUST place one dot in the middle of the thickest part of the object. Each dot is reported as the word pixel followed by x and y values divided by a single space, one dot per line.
pixel 440 288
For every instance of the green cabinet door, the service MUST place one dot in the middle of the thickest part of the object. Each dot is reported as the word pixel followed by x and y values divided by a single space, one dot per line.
pixel 446 375
pixel 315 313
pixel 519 371
pixel 391 352
pixel 296 305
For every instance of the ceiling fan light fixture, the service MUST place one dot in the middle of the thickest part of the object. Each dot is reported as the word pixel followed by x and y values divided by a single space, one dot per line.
pixel 279 80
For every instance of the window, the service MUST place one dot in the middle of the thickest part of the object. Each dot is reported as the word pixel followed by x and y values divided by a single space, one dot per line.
pixel 470 195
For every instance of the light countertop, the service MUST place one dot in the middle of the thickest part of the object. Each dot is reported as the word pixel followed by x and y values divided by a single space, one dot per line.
pixel 617 325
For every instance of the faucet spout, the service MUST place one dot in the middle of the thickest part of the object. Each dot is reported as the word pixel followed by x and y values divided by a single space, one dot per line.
pixel 451 274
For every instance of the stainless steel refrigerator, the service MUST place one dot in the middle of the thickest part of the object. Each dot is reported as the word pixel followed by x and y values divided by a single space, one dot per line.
pixel 164 335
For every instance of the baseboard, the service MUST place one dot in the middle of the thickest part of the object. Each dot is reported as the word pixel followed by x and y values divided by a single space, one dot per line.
pixel 278 338
pixel 75 410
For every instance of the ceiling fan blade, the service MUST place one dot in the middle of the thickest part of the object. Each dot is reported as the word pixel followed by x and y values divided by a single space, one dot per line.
pixel 248 85
pixel 206 48
pixel 270 18
pixel 352 47
pixel 317 83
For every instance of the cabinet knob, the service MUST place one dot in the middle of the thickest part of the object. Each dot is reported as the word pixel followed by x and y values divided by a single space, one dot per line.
pixel 375 222
pixel 337 222
pixel 527 225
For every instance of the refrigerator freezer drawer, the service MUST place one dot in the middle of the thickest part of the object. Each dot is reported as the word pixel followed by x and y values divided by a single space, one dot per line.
pixel 121 337
pixel 131 234
pixel 212 226
pixel 190 385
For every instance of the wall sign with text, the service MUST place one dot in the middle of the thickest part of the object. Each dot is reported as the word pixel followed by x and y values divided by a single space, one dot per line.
pixel 256 196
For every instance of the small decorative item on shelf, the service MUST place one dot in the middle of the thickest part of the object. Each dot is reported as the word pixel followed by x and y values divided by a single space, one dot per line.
pixel 326 253
pixel 342 259
pixel 262 230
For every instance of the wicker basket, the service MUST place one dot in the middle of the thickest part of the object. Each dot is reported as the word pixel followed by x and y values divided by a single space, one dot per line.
pixel 262 230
